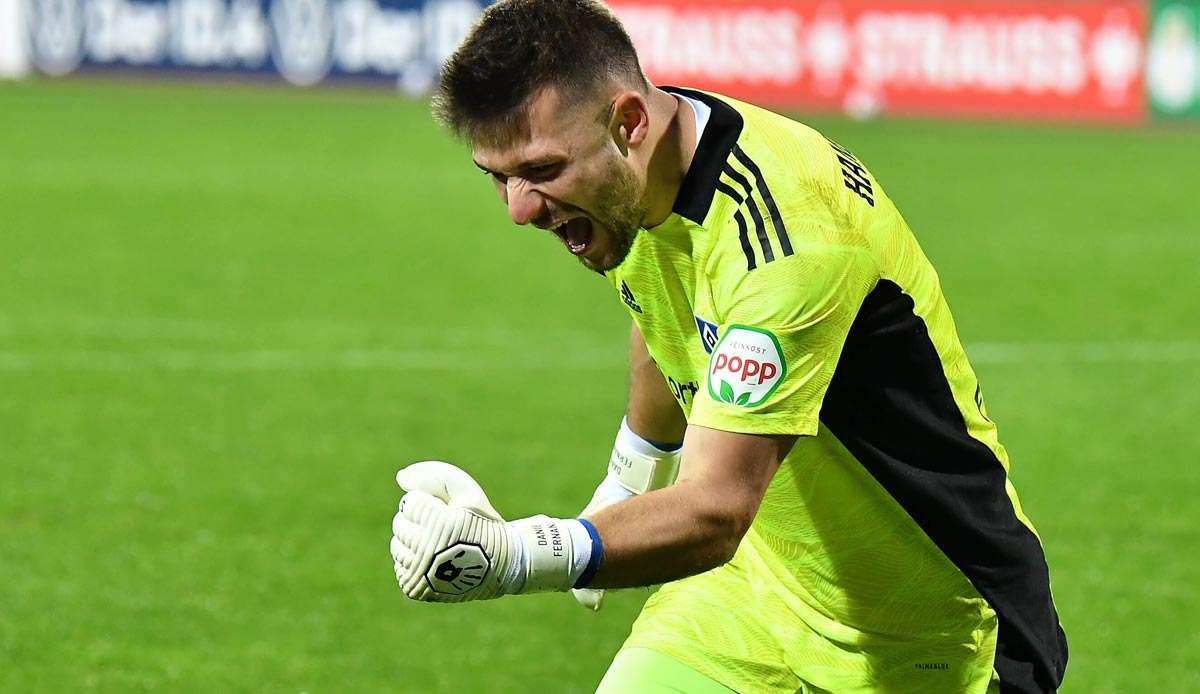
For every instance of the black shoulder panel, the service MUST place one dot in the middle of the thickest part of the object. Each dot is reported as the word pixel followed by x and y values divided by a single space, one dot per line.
pixel 891 406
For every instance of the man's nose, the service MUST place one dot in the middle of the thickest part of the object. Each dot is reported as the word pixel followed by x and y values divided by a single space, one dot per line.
pixel 524 204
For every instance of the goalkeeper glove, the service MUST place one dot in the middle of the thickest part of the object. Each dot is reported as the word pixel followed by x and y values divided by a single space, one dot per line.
pixel 449 544
pixel 636 466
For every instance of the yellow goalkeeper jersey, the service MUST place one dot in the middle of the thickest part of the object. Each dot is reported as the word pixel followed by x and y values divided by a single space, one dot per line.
pixel 785 294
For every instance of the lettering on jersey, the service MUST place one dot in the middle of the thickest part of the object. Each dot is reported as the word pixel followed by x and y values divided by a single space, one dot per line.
pixel 684 392
pixel 854 176
pixel 933 666
pixel 627 297
pixel 708 334
pixel 746 367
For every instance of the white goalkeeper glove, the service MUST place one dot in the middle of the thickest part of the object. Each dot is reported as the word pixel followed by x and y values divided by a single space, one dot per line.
pixel 450 545
pixel 635 467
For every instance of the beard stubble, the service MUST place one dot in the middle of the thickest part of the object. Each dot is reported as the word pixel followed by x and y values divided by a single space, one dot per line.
pixel 620 212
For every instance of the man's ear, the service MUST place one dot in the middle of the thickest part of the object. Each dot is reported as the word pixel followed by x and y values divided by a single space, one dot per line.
pixel 630 120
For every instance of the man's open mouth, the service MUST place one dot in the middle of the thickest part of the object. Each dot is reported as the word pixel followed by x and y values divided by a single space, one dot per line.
pixel 575 233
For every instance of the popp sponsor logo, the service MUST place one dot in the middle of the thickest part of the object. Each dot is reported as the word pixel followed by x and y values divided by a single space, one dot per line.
pixel 746 367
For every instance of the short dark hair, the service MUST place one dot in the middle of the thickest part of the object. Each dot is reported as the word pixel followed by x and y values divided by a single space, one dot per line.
pixel 519 47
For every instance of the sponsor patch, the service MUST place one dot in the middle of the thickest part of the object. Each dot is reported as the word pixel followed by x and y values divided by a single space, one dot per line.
pixel 746 367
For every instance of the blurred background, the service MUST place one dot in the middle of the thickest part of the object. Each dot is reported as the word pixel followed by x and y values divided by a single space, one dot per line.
pixel 231 307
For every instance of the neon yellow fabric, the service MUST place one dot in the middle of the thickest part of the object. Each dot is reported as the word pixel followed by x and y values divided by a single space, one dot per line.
pixel 835 587
pixel 741 626
pixel 643 671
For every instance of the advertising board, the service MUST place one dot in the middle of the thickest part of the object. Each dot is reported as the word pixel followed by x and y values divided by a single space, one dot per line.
pixel 1073 60
pixel 14 56
pixel 305 41
pixel 1044 60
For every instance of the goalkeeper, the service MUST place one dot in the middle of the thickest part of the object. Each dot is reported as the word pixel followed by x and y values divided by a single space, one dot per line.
pixel 806 461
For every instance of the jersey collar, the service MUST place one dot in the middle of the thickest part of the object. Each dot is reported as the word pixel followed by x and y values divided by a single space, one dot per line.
pixel 700 183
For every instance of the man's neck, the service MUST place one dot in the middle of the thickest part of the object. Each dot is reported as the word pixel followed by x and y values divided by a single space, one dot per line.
pixel 671 154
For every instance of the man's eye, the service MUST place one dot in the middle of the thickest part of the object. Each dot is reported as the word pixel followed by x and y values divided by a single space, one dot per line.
pixel 543 172
pixel 497 177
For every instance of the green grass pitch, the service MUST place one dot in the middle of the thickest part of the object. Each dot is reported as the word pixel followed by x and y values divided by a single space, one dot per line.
pixel 228 315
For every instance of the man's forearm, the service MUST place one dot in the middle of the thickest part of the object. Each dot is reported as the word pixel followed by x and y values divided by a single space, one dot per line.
pixel 652 412
pixel 697 523
pixel 663 536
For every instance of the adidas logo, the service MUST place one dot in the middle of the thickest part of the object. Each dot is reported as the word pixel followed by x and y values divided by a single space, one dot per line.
pixel 627 297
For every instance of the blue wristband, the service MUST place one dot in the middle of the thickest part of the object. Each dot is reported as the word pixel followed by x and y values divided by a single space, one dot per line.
pixel 593 565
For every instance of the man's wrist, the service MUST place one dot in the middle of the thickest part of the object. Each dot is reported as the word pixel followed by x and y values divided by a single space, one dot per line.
pixel 595 556
pixel 639 465
pixel 627 436
pixel 551 554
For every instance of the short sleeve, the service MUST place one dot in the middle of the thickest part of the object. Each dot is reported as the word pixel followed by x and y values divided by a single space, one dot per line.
pixel 782 329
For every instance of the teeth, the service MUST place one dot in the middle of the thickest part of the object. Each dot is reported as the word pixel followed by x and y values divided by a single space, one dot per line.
pixel 560 228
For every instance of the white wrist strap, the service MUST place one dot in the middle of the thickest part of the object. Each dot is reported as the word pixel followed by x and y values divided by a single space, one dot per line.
pixel 552 553
pixel 639 466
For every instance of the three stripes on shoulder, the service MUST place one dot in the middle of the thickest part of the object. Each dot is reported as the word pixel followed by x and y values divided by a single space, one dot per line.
pixel 744 196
